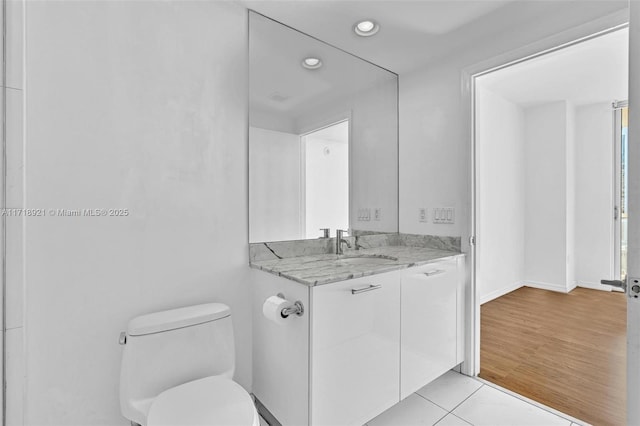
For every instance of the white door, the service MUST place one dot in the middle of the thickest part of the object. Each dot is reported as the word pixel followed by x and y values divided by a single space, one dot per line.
pixel 627 275
pixel 633 255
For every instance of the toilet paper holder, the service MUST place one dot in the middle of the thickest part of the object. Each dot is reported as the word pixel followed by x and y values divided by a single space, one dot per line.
pixel 297 308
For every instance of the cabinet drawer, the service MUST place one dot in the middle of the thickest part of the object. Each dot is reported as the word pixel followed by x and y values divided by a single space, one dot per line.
pixel 429 324
pixel 355 358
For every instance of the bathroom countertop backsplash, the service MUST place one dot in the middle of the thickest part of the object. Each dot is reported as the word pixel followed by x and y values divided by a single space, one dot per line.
pixel 314 262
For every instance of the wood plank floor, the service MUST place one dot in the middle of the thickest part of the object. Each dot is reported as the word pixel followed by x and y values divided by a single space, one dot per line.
pixel 567 351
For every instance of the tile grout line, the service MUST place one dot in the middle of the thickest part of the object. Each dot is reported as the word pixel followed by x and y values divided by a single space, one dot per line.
pixel 459 404
pixel 450 411
pixel 440 419
pixel 462 402
pixel 427 399
pixel 450 414
pixel 459 418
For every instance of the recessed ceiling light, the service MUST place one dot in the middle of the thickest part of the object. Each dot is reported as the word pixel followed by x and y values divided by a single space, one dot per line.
pixel 311 63
pixel 366 28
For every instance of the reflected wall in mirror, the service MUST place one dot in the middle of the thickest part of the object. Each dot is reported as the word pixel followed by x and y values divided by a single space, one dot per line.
pixel 323 138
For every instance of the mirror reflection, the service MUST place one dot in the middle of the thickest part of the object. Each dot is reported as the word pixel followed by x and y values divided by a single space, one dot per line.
pixel 323 138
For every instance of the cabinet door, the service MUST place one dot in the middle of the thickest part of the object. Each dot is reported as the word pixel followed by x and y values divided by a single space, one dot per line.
pixel 429 324
pixel 355 362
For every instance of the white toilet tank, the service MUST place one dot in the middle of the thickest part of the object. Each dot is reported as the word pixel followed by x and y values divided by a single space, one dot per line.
pixel 169 348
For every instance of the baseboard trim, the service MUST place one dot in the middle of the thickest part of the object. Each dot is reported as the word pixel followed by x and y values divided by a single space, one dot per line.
pixel 560 288
pixel 500 292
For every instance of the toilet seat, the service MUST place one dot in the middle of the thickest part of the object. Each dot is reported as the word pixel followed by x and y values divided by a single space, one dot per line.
pixel 212 401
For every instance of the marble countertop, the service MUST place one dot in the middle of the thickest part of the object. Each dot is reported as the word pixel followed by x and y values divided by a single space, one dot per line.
pixel 321 269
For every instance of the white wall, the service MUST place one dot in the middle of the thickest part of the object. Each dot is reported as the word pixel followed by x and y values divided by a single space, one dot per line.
pixel 274 186
pixel 501 195
pixel 14 184
pixel 434 131
pixel 594 194
pixel 560 235
pixel 525 195
pixel 136 105
pixel 546 194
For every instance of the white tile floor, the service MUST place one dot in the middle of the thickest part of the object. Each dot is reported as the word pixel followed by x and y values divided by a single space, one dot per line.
pixel 454 399
pixel 458 400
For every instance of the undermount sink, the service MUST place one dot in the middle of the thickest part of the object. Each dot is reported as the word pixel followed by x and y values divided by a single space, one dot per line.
pixel 366 259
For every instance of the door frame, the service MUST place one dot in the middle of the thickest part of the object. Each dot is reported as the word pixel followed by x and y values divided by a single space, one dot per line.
pixel 590 30
pixel 633 221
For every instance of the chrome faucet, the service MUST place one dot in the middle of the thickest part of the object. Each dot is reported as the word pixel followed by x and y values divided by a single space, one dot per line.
pixel 340 241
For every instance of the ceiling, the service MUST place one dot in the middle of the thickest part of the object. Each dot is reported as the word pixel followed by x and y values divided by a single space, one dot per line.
pixel 408 28
pixel 415 33
pixel 585 73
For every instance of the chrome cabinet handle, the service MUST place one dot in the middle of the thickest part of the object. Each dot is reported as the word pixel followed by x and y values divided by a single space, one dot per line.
pixel 434 272
pixel 370 287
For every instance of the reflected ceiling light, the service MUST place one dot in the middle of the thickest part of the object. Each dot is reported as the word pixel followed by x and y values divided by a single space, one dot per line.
pixel 312 63
pixel 366 28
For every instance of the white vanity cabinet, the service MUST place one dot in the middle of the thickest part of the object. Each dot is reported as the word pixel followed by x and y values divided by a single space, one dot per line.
pixel 431 321
pixel 362 344
pixel 355 359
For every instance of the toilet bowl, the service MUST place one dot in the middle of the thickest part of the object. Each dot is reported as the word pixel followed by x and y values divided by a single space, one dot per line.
pixel 212 401
pixel 177 369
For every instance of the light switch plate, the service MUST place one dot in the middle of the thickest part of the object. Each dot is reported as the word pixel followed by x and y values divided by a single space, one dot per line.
pixel 444 215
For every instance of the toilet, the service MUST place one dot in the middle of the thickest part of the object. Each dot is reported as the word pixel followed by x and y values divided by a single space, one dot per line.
pixel 177 369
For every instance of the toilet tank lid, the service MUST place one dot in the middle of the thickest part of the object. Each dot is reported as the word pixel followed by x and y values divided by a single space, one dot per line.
pixel 177 318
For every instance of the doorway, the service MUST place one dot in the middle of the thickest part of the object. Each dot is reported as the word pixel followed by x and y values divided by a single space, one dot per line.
pixel 325 178
pixel 546 190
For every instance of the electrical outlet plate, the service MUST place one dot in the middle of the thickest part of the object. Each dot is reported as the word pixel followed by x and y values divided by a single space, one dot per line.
pixel 377 213
pixel 422 214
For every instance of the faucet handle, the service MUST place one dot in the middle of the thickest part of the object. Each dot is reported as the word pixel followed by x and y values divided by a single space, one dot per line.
pixel 340 232
pixel 326 232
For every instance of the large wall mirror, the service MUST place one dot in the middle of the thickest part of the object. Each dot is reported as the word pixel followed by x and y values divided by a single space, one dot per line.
pixel 323 138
